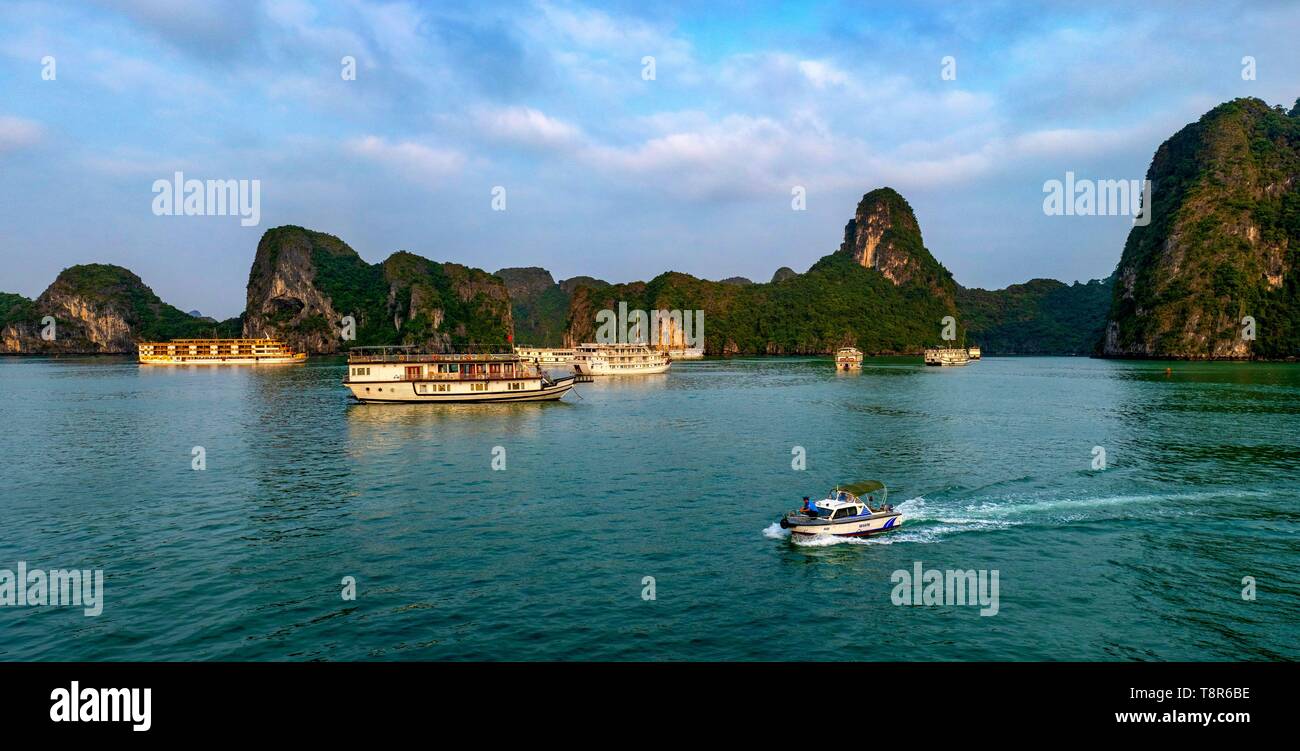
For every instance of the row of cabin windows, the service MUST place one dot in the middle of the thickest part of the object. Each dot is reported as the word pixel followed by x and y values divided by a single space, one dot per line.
pixel 361 371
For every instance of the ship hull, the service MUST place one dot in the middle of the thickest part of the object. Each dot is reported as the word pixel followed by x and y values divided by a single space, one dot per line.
pixel 407 392
pixel 226 361
pixel 872 525
pixel 602 370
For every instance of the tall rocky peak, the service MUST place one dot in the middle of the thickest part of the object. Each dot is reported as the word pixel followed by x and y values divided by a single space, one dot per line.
pixel 303 284
pixel 884 235
pixel 1223 243
pixel 881 291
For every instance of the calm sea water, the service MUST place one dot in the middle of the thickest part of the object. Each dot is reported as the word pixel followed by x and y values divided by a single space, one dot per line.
pixel 678 477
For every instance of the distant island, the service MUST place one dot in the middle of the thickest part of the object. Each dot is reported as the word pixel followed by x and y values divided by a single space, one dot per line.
pixel 1222 244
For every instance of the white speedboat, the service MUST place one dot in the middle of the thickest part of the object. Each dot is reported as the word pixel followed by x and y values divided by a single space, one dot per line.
pixel 844 513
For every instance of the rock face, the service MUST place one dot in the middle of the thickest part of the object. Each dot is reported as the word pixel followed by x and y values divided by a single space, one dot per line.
pixel 883 235
pixel 1223 243
pixel 96 309
pixel 540 305
pixel 537 304
pixel 303 283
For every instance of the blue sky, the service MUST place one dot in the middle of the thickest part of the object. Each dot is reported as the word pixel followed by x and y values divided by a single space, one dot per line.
pixel 605 173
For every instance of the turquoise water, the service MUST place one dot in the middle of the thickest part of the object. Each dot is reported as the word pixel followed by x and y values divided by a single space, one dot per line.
pixel 678 477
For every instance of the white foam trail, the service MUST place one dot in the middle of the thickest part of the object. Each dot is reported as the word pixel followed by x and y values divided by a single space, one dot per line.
pixel 938 521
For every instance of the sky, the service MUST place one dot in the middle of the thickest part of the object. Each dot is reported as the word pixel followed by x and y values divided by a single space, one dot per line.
pixel 607 171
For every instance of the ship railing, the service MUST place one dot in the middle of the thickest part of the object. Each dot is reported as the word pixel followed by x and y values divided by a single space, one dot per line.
pixel 422 353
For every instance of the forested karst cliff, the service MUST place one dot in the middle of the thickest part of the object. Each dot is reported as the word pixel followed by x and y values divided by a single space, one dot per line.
pixel 1223 243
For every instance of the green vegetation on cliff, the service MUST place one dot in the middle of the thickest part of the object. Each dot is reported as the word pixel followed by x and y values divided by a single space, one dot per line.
pixel 1223 242
pixel 16 309
pixel 538 305
pixel 1039 317
pixel 115 289
pixel 304 283
pixel 843 300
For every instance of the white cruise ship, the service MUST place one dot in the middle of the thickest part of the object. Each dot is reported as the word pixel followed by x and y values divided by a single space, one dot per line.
pixel 483 373
pixel 619 359
pixel 942 356
pixel 545 356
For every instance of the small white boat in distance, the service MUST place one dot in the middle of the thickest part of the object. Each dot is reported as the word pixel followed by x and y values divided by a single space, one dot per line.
pixel 843 513
pixel 619 359
pixel 848 358
pixel 947 356
pixel 973 353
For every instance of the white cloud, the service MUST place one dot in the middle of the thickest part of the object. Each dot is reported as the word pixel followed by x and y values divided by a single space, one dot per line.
pixel 17 133
pixel 416 161
pixel 526 126
pixel 823 74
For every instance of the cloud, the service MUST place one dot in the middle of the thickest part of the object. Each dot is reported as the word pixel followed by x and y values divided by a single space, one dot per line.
pixel 415 161
pixel 527 127
pixel 205 29
pixel 17 133
pixel 823 74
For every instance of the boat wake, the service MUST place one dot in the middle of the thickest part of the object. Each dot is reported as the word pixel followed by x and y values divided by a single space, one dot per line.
pixel 932 521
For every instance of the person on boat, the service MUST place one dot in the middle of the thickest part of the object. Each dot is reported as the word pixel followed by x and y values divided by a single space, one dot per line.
pixel 807 507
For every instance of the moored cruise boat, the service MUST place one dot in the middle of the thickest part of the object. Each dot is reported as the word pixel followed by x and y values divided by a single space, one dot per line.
pixel 218 352
pixel 683 353
pixel 619 359
pixel 848 358
pixel 478 374
pixel 946 356
pixel 545 356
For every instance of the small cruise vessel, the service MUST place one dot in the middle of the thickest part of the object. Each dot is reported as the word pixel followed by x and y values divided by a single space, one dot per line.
pixel 218 352
pixel 480 373
pixel 683 353
pixel 843 513
pixel 947 356
pixel 545 356
pixel 973 353
pixel 619 359
pixel 848 358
